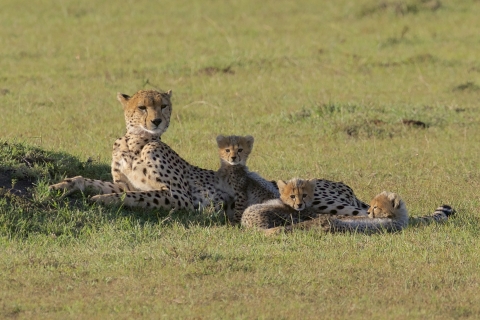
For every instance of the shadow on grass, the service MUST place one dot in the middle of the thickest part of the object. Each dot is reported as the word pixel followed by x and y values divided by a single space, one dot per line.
pixel 23 162
pixel 27 207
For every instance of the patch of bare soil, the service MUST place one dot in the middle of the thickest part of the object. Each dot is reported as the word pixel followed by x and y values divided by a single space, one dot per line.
pixel 19 188
pixel 210 71
pixel 467 86
pixel 414 123
pixel 402 8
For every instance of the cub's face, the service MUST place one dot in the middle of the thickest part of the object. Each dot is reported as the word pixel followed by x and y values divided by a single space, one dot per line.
pixel 234 150
pixel 384 205
pixel 297 193
pixel 147 111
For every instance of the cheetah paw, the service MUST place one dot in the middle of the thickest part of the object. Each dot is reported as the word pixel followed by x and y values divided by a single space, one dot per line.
pixel 273 231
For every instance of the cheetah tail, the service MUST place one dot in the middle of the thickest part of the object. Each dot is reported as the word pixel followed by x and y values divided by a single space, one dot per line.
pixel 441 214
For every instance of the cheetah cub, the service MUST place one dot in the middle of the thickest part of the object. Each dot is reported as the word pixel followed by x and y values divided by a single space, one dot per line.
pixel 297 193
pixel 245 187
pixel 387 213
pixel 293 205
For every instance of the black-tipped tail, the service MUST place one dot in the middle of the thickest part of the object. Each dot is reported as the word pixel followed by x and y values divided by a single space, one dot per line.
pixel 446 210
pixel 440 215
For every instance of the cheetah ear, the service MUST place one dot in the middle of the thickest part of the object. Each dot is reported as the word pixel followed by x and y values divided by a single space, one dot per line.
pixel 169 93
pixel 395 200
pixel 249 140
pixel 123 98
pixel 281 185
pixel 310 185
pixel 221 141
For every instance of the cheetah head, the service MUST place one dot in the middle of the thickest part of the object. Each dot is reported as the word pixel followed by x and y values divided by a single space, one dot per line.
pixel 234 149
pixel 387 205
pixel 147 111
pixel 297 193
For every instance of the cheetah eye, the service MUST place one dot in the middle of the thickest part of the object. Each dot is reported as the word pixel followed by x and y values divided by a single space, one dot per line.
pixel 227 150
pixel 143 108
pixel 292 196
pixel 240 150
pixel 163 106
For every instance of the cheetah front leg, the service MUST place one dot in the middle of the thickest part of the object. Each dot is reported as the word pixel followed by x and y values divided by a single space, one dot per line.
pixel 322 223
pixel 264 217
pixel 144 177
pixel 163 199
pixel 241 203
pixel 80 183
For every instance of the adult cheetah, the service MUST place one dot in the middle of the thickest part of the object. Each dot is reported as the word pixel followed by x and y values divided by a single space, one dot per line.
pixel 146 172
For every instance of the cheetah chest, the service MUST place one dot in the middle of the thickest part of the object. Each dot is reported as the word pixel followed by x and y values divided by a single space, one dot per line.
pixel 232 180
pixel 147 164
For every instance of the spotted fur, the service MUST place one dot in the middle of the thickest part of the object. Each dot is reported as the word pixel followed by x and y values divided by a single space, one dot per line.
pixel 387 213
pixel 234 178
pixel 146 172
pixel 303 200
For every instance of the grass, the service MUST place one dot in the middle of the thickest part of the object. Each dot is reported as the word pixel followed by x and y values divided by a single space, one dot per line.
pixel 326 88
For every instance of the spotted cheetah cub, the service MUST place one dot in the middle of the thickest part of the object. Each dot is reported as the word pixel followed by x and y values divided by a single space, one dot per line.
pixel 387 213
pixel 234 178
pixel 293 206
pixel 297 193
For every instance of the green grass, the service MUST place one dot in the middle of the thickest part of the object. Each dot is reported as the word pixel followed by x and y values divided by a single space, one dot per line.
pixel 323 86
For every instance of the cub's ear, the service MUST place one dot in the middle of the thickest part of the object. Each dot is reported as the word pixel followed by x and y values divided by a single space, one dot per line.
pixel 281 185
pixel 310 185
pixel 123 98
pixel 249 140
pixel 169 93
pixel 221 141
pixel 395 198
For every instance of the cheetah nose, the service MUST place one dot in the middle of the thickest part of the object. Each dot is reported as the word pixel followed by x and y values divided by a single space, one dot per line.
pixel 157 121
pixel 233 158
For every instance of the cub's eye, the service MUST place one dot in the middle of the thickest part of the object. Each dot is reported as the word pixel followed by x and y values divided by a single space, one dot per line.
pixel 163 106
pixel 304 195
pixel 227 150
pixel 292 196
pixel 240 150
pixel 143 108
